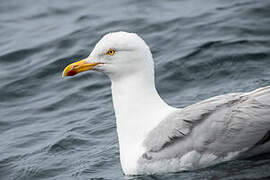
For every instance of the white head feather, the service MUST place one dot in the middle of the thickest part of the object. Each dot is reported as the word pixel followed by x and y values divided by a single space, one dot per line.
pixel 132 55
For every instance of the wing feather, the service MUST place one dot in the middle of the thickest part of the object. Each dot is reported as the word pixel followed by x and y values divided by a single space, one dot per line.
pixel 181 122
pixel 219 125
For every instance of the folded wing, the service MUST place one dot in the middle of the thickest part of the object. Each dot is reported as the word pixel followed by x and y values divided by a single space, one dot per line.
pixel 238 122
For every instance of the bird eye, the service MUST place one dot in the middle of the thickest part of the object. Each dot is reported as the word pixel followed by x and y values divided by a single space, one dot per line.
pixel 110 52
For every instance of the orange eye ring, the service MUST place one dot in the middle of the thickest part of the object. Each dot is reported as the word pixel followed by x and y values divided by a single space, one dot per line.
pixel 110 52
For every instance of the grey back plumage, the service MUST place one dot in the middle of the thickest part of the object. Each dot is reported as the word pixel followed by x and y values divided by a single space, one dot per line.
pixel 219 125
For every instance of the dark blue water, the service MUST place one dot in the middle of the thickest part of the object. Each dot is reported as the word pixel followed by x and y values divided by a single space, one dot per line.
pixel 54 128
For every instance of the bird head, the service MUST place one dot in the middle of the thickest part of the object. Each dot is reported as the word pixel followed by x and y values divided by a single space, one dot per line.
pixel 117 54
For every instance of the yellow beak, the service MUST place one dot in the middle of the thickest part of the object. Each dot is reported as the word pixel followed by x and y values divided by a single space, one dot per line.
pixel 78 67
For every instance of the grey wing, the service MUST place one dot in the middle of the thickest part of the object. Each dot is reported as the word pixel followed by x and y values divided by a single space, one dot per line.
pixel 220 125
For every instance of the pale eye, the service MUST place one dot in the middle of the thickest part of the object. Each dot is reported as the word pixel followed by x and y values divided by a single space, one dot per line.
pixel 110 52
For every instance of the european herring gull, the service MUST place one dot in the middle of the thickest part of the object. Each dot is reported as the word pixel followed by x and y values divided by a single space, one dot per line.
pixel 157 138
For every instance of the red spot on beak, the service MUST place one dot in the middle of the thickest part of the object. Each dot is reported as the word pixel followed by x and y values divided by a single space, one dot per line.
pixel 72 73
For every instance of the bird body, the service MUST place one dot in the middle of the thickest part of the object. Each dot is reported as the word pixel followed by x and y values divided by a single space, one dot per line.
pixel 215 130
pixel 157 138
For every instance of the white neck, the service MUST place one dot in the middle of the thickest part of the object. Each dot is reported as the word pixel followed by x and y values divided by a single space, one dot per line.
pixel 138 109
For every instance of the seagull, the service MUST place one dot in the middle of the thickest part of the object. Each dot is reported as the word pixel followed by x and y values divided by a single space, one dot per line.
pixel 156 138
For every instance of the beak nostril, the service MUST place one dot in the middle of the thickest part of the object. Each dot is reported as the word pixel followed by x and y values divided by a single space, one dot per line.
pixel 74 66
